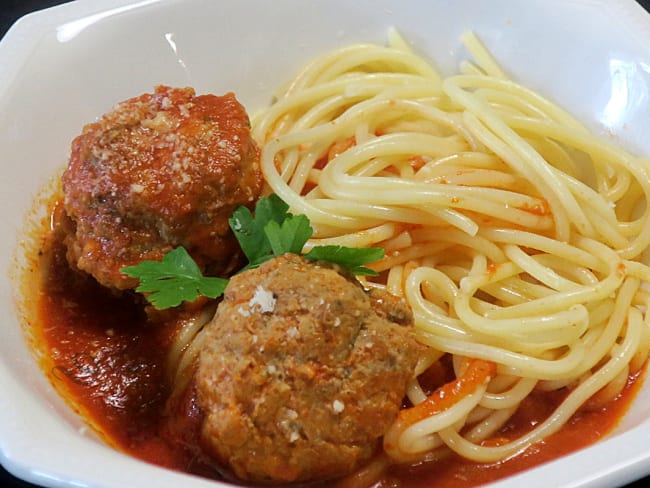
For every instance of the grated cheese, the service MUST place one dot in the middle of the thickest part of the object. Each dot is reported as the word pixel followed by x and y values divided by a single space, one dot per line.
pixel 338 406
pixel 264 299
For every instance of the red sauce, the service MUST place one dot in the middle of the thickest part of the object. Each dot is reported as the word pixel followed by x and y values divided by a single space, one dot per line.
pixel 541 209
pixel 584 429
pixel 107 360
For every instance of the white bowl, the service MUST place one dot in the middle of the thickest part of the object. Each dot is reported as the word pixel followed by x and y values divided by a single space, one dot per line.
pixel 62 67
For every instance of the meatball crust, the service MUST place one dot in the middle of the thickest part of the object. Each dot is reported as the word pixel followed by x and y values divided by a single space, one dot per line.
pixel 300 375
pixel 161 170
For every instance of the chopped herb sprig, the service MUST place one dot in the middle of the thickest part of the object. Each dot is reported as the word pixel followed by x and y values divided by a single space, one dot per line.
pixel 271 231
pixel 175 279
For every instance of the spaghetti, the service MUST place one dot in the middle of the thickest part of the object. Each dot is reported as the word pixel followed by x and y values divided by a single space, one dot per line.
pixel 514 233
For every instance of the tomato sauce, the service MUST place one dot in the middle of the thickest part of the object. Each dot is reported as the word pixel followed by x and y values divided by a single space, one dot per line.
pixel 584 429
pixel 108 361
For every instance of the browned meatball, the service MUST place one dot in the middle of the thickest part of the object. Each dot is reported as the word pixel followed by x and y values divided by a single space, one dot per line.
pixel 162 170
pixel 300 375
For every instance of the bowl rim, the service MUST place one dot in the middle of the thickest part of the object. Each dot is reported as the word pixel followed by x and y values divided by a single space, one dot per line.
pixel 17 454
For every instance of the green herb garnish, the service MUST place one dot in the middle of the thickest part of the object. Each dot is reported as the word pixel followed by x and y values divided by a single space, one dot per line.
pixel 175 279
pixel 351 258
pixel 270 232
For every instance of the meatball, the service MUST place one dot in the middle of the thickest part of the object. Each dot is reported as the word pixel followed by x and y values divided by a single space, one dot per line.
pixel 301 372
pixel 161 170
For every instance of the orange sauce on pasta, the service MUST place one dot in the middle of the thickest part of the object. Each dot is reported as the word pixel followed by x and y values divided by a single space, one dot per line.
pixel 584 428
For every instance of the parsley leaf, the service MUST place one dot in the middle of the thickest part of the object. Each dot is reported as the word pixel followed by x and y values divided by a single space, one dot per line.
pixel 290 236
pixel 175 279
pixel 351 258
pixel 249 229
pixel 271 231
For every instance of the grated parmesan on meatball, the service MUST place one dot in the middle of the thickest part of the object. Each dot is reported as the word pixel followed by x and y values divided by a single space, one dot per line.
pixel 161 170
pixel 301 372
